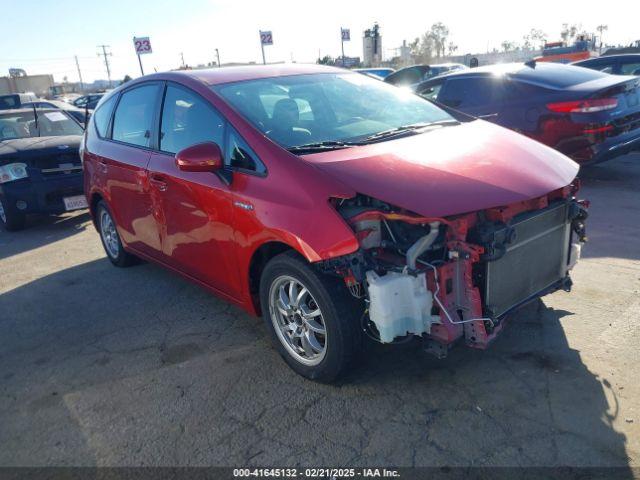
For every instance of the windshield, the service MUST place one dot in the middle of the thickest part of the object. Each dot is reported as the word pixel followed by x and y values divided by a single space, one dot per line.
pixel 49 124
pixel 328 108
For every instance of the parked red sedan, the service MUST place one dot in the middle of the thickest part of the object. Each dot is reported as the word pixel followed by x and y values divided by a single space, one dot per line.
pixel 336 206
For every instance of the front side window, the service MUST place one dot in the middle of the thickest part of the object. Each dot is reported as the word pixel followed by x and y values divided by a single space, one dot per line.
pixel 327 107
pixel 102 116
pixel 133 120
pixel 431 92
pixel 240 156
pixel 187 119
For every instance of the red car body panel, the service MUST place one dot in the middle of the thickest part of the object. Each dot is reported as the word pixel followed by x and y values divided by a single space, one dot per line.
pixel 491 167
pixel 208 231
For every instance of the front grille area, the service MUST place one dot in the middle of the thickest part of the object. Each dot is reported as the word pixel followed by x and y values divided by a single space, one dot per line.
pixel 532 256
pixel 49 166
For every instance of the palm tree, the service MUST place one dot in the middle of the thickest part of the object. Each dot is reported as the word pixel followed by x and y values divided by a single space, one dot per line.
pixel 601 29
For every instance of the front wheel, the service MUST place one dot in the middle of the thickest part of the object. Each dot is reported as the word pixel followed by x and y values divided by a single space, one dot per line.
pixel 312 317
pixel 11 219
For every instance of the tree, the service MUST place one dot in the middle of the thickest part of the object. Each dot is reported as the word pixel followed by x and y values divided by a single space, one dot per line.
pixel 432 42
pixel 439 33
pixel 508 45
pixel 601 29
pixel 569 32
pixel 534 39
pixel 326 60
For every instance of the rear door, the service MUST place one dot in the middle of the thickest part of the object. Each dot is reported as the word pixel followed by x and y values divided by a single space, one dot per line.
pixel 193 209
pixel 123 163
pixel 479 96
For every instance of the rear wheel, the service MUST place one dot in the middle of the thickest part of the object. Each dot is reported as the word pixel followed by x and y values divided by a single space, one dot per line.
pixel 10 218
pixel 110 238
pixel 312 317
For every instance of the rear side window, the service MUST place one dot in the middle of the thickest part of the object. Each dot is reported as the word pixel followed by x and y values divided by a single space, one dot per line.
pixel 187 119
pixel 102 116
pixel 470 92
pixel 630 68
pixel 133 120
pixel 406 77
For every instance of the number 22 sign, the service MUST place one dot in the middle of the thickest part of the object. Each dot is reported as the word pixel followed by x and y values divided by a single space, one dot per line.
pixel 142 45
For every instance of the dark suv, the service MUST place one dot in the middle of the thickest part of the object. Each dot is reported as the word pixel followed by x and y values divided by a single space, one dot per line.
pixel 40 168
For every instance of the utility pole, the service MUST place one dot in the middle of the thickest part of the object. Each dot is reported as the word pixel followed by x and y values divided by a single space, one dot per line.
pixel 182 57
pixel 106 54
pixel 218 55
pixel 79 74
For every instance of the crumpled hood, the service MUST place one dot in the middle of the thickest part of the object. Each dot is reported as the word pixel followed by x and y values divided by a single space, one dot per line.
pixel 451 170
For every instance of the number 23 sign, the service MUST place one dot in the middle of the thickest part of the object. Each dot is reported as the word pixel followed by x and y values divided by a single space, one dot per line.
pixel 142 45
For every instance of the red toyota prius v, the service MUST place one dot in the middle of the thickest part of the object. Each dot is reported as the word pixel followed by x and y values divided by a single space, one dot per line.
pixel 336 206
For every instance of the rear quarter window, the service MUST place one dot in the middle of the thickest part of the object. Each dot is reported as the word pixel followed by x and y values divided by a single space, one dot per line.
pixel 102 116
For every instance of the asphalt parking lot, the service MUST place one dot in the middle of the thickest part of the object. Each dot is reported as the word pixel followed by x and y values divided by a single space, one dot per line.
pixel 105 366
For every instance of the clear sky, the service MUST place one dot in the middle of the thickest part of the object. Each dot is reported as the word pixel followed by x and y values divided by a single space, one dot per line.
pixel 42 36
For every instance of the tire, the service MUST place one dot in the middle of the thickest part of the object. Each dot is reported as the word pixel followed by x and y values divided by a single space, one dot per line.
pixel 329 307
pixel 110 238
pixel 11 219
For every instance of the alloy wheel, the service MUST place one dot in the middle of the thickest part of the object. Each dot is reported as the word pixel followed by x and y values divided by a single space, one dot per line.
pixel 297 320
pixel 109 234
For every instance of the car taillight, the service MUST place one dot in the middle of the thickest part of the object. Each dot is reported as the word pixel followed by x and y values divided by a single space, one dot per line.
pixel 584 106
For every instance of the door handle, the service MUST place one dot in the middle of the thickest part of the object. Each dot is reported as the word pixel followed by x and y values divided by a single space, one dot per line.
pixel 102 165
pixel 158 182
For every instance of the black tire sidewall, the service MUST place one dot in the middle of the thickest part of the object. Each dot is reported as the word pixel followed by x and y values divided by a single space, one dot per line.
pixel 122 259
pixel 15 219
pixel 337 310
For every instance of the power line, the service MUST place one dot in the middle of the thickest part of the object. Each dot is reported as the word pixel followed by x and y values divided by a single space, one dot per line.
pixel 106 60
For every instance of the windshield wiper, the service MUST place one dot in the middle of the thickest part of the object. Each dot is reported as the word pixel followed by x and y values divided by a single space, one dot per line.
pixel 407 129
pixel 321 146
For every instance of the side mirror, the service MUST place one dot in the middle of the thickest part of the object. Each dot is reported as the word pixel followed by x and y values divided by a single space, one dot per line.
pixel 202 157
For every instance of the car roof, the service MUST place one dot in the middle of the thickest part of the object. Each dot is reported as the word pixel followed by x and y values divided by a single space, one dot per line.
pixel 215 76
pixel 525 71
pixel 606 58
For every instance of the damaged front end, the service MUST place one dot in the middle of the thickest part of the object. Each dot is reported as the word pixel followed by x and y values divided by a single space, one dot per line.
pixel 455 278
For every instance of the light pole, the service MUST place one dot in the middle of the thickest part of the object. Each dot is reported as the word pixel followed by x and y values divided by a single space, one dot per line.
pixel 218 55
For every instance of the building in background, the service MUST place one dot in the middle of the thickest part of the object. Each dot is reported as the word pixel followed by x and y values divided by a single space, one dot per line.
pixel 19 82
pixel 372 47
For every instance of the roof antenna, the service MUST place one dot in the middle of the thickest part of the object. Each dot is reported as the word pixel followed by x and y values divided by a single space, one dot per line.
pixel 531 63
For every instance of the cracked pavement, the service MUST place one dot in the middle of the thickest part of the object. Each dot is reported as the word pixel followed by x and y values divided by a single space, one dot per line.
pixel 129 367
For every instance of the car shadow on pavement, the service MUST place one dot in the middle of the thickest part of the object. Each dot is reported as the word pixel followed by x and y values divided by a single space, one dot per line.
pixel 127 367
pixel 42 230
pixel 613 189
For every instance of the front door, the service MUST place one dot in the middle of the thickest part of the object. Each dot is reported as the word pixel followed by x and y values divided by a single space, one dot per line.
pixel 193 209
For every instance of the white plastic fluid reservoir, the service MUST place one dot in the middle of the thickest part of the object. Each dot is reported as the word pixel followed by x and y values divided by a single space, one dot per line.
pixel 400 304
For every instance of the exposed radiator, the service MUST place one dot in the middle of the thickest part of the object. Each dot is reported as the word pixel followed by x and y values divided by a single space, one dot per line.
pixel 535 257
